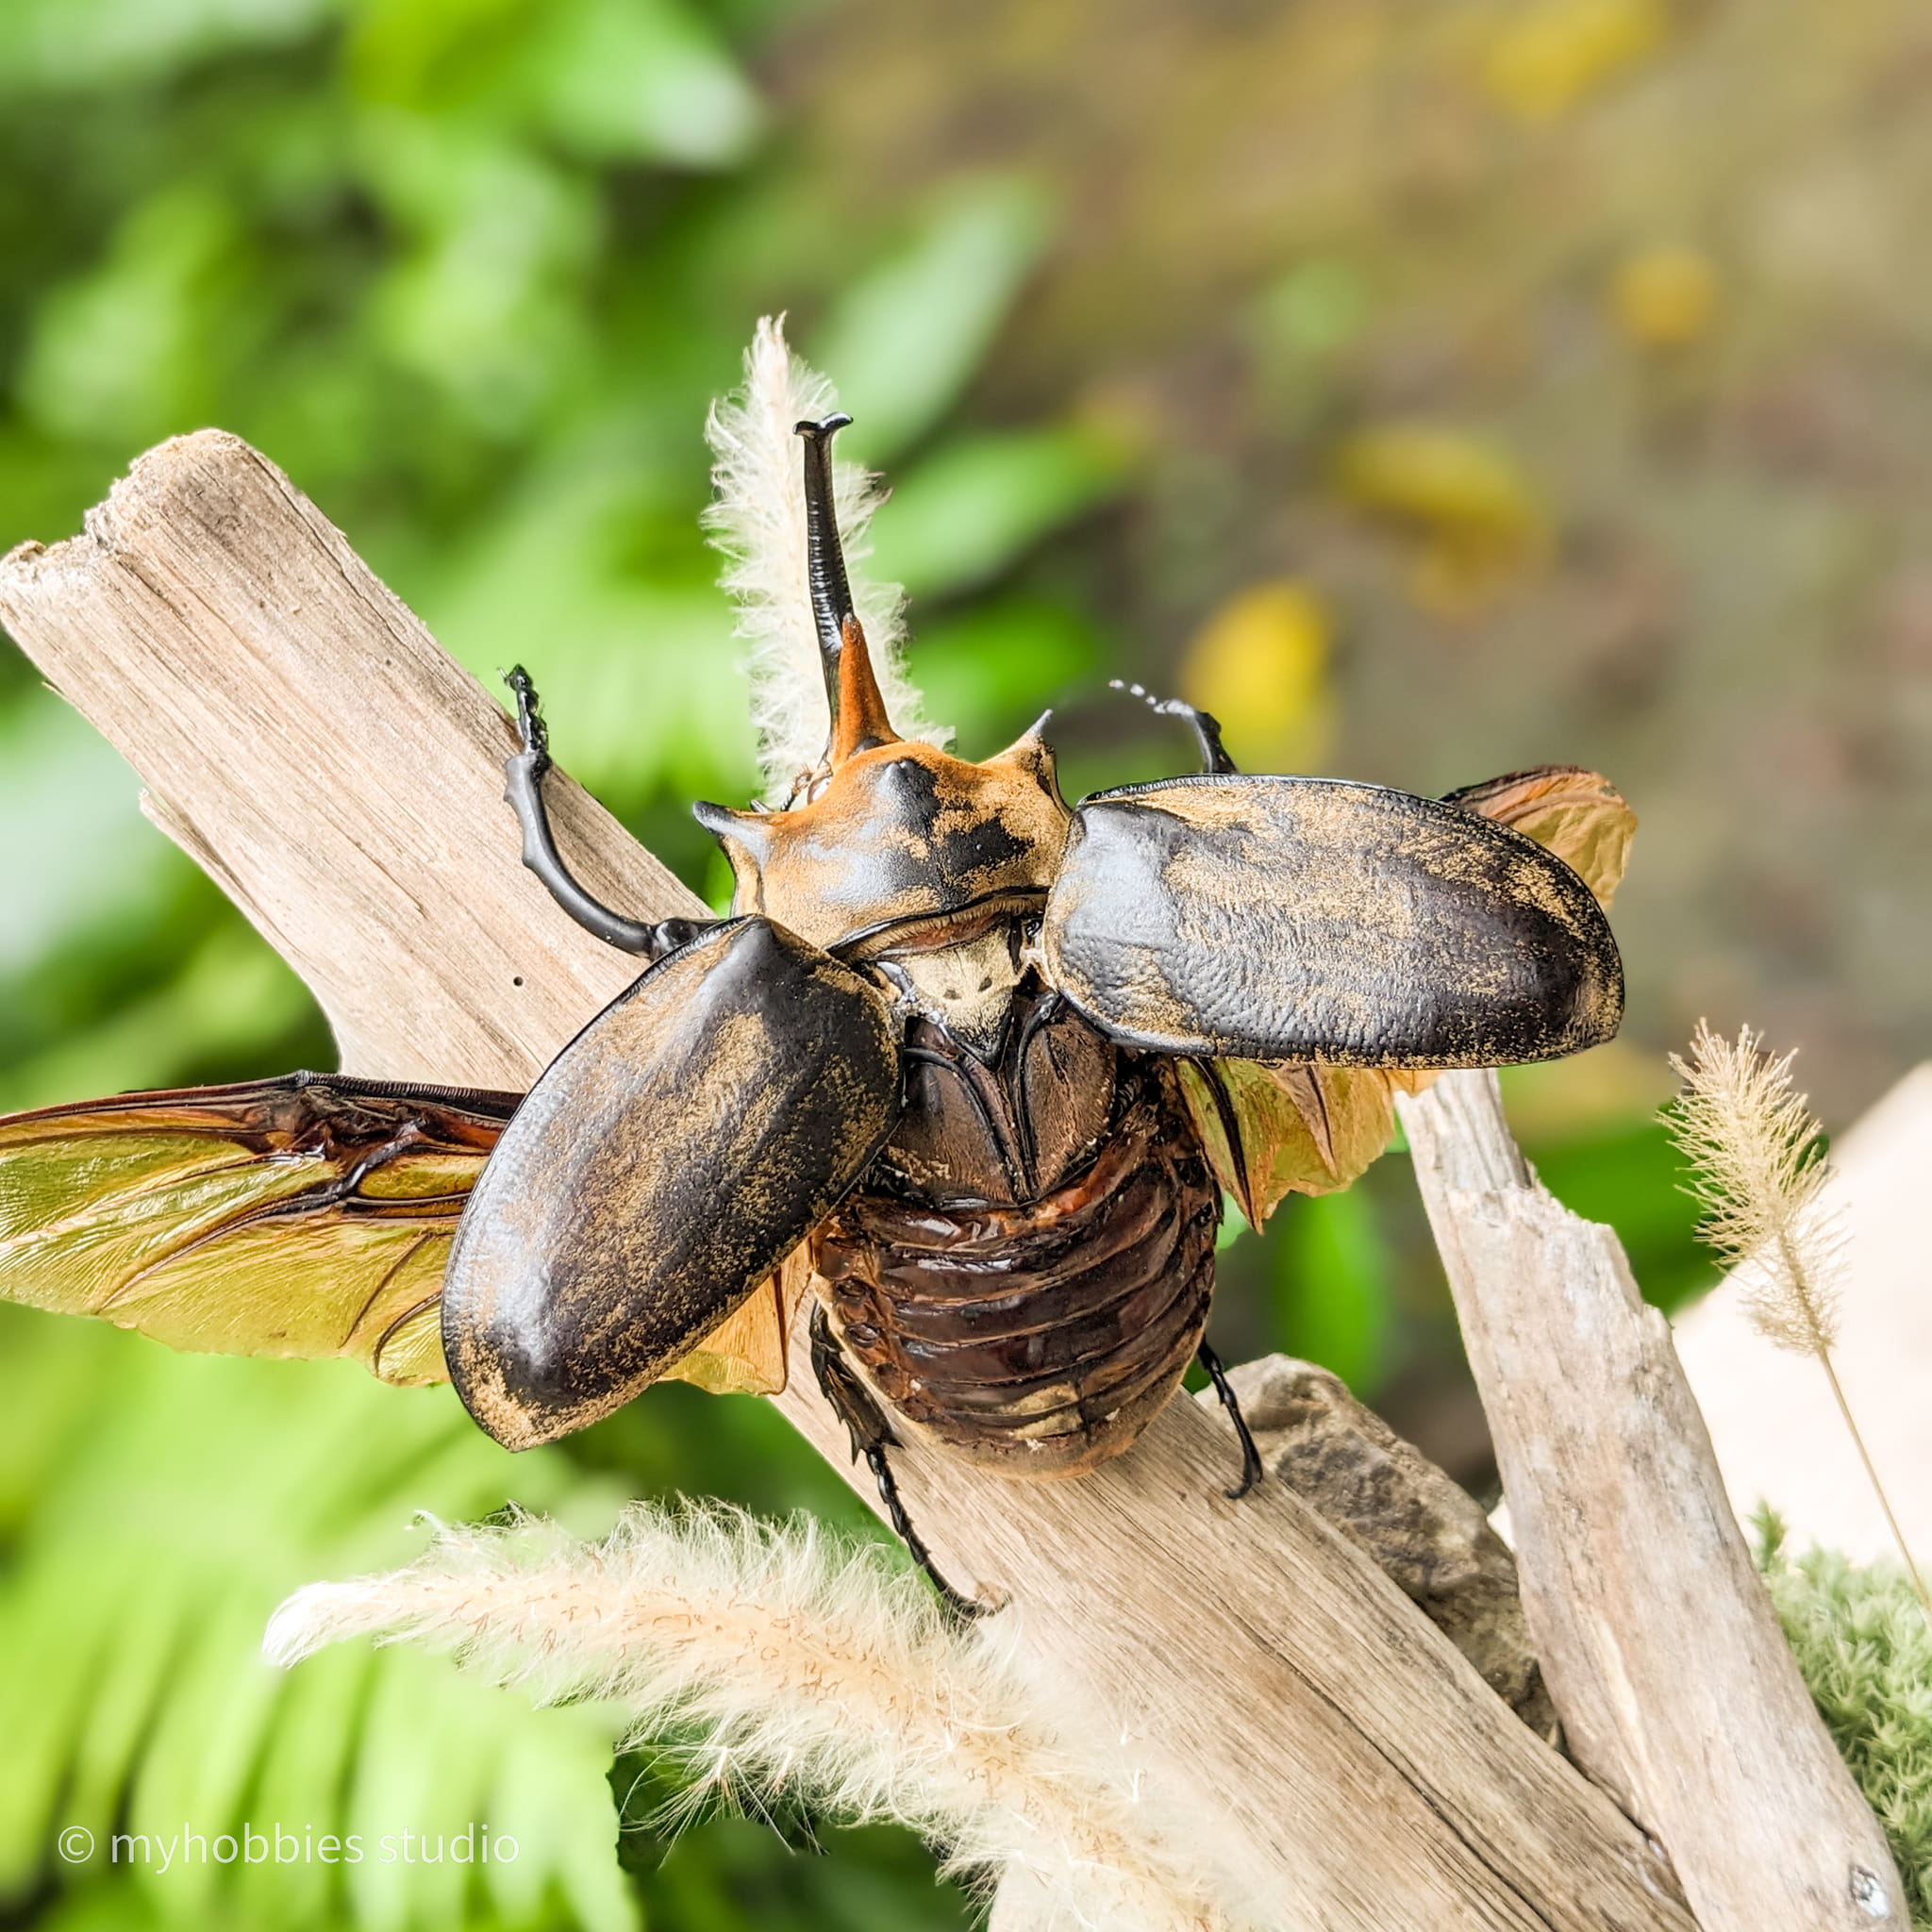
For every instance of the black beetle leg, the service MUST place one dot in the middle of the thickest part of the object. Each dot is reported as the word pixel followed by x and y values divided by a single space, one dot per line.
pixel 872 1435
pixel 1252 1471
pixel 1205 725
pixel 525 793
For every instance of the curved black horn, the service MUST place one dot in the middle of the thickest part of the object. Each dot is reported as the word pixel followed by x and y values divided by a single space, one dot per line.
pixel 852 694
pixel 831 594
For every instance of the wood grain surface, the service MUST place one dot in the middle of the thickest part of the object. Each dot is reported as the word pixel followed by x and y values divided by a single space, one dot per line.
pixel 1657 1642
pixel 307 741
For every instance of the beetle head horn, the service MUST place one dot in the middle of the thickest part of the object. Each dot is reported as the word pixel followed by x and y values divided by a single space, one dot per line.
pixel 852 692
pixel 1032 753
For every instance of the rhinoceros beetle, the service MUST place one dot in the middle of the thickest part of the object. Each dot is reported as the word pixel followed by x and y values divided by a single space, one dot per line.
pixel 969 1067
pixel 934 1048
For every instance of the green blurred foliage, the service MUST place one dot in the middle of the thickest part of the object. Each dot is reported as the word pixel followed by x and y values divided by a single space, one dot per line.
pixel 699 1858
pixel 155 1510
pixel 1333 1292
pixel 471 271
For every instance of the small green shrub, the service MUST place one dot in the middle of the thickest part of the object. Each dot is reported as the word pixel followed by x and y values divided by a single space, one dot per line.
pixel 1864 1648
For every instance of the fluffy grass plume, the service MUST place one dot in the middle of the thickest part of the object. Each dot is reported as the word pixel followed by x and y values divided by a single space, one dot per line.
pixel 1759 1172
pixel 1865 1651
pixel 806 1669
pixel 757 519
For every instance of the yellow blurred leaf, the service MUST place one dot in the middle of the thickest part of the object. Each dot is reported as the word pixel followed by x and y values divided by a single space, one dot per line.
pixel 1556 52
pixel 1664 298
pixel 1448 480
pixel 1477 511
pixel 1260 664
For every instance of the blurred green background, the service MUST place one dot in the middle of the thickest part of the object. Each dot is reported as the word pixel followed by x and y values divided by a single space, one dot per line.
pixel 1430 390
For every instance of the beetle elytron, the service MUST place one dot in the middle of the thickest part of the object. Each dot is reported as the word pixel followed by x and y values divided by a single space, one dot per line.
pixel 969 1067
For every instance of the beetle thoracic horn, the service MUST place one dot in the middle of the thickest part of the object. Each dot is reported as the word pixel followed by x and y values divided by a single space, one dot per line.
pixel 852 693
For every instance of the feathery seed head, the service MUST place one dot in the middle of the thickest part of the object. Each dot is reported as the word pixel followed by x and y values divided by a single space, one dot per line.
pixel 796 1664
pixel 1760 1173
pixel 758 521
pixel 1757 1170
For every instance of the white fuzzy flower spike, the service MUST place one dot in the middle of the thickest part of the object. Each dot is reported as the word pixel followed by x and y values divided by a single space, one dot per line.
pixel 757 520
pixel 807 1666
pixel 1759 1172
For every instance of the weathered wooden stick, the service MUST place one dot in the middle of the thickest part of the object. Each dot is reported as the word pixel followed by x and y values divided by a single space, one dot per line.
pixel 1659 1644
pixel 307 740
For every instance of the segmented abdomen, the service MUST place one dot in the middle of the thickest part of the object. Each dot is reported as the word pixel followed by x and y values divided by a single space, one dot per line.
pixel 1040 1339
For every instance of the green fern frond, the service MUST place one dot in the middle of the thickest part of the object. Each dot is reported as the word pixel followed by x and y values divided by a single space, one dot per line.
pixel 157 1508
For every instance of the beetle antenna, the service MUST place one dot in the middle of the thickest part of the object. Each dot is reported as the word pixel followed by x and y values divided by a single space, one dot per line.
pixel 872 1435
pixel 1204 725
pixel 852 692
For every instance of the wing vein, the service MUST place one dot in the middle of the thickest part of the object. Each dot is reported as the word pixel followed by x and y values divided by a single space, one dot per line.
pixel 390 1274
pixel 388 1335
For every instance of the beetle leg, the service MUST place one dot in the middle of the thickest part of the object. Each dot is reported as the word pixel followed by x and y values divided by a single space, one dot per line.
pixel 1205 725
pixel 1252 1470
pixel 872 1435
pixel 1041 1014
pixel 524 792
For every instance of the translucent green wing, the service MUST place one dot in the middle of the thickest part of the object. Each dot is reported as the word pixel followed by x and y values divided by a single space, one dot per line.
pixel 306 1216
pixel 1278 1128
pixel 1274 1128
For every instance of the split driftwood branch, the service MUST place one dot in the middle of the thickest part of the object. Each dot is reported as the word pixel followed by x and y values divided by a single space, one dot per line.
pixel 304 739
pixel 1657 1642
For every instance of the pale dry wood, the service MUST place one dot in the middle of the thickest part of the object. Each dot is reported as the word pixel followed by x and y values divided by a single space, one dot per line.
pixel 341 778
pixel 1659 1644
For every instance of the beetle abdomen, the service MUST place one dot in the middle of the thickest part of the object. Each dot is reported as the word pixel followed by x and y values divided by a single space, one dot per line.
pixel 1037 1339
